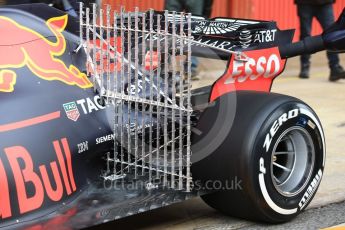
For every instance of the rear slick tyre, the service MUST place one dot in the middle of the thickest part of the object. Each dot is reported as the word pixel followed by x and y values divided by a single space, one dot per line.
pixel 275 148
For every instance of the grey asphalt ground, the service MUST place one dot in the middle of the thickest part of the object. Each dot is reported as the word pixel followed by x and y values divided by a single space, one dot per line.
pixel 185 216
pixel 327 208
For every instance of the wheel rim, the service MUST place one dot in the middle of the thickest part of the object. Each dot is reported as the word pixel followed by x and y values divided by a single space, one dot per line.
pixel 292 161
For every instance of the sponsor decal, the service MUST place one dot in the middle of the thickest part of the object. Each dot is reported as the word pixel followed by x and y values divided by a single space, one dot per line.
pixel 131 89
pixel 311 189
pixel 131 128
pixel 216 43
pixel 83 147
pixel 254 68
pixel 218 27
pixel 71 110
pixel 40 56
pixel 278 123
pixel 105 138
pixel 89 105
pixel 265 36
pixel 255 74
pixel 198 41
pixel 209 28
pixel 86 106
pixel 246 38
pixel 33 184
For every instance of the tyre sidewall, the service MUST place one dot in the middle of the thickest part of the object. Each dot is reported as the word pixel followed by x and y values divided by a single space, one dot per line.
pixel 278 206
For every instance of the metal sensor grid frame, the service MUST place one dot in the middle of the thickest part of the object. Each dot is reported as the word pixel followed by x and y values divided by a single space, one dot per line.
pixel 140 64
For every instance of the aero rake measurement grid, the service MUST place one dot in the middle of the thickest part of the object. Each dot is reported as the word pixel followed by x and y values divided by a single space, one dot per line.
pixel 140 64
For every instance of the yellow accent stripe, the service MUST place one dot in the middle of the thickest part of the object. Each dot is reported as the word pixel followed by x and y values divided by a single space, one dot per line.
pixel 337 227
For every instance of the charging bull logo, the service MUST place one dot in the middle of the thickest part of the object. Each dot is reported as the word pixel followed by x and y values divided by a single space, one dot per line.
pixel 21 46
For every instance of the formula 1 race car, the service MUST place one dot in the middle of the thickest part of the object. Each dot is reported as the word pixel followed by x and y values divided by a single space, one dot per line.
pixel 100 120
